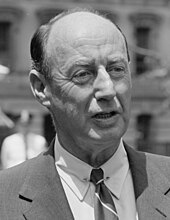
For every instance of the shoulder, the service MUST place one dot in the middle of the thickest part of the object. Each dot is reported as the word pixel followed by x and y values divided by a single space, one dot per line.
pixel 157 157
pixel 12 178
pixel 12 181
pixel 157 164
pixel 150 162
pixel 162 162
pixel 32 167
pixel 153 158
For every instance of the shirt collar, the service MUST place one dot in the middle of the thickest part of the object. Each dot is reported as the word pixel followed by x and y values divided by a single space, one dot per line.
pixel 73 171
pixel 116 170
pixel 76 173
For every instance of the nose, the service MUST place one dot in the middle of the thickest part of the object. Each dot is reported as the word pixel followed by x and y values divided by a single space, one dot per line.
pixel 104 87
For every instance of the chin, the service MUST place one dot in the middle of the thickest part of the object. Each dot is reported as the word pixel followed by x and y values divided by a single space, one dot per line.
pixel 105 135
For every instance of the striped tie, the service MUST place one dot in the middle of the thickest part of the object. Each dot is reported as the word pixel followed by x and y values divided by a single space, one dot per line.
pixel 104 207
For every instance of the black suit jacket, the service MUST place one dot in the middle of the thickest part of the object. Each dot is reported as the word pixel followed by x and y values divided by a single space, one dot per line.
pixel 33 190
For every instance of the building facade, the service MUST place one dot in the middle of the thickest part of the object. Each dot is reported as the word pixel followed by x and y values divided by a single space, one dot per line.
pixel 146 24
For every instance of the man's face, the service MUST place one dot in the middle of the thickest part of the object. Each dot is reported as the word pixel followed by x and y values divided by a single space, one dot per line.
pixel 91 86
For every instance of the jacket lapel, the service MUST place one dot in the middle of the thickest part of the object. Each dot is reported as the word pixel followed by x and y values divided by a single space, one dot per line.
pixel 42 196
pixel 152 188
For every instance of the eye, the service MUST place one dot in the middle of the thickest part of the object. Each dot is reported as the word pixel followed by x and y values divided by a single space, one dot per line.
pixel 115 68
pixel 82 76
pixel 116 71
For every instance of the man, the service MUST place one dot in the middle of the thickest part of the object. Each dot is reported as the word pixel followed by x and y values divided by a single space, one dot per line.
pixel 81 74
pixel 23 144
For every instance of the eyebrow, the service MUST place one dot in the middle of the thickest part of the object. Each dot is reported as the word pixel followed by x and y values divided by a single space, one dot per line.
pixel 117 58
pixel 81 63
pixel 86 63
pixel 117 61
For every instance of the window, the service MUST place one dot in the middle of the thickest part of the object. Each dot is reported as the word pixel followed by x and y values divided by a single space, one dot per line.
pixel 146 29
pixel 142 41
pixel 4 42
pixel 9 21
pixel 143 127
pixel 4 36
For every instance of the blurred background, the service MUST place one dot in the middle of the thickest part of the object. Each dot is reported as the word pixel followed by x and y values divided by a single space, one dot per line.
pixel 146 24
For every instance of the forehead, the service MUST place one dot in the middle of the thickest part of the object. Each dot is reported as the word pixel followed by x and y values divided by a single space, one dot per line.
pixel 81 31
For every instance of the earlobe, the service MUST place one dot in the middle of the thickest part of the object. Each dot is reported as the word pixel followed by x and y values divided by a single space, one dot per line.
pixel 39 88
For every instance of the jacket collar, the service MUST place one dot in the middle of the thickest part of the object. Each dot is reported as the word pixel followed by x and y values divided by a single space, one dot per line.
pixel 152 188
pixel 42 194
pixel 137 163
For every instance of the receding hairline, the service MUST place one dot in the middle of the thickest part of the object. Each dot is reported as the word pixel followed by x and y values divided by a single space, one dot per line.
pixel 64 17
pixel 92 12
pixel 74 11
pixel 38 46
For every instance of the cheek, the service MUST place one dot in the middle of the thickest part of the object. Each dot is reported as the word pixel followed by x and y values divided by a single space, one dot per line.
pixel 64 112
pixel 75 101
pixel 123 90
pixel 79 96
pixel 71 109
pixel 70 98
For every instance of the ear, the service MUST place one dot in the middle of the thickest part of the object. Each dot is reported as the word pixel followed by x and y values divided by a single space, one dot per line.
pixel 39 88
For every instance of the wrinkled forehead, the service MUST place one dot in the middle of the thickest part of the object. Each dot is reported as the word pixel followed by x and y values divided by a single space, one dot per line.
pixel 83 28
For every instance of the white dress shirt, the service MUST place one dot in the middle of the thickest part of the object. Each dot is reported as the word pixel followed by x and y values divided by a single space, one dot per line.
pixel 75 175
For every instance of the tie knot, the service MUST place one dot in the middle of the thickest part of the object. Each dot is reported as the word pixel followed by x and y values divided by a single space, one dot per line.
pixel 97 176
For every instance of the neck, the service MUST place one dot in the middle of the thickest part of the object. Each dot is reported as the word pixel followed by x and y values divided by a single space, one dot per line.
pixel 94 153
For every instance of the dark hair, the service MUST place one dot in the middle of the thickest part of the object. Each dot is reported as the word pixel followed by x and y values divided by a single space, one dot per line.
pixel 40 61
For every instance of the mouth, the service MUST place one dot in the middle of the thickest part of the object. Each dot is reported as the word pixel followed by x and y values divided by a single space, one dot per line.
pixel 104 115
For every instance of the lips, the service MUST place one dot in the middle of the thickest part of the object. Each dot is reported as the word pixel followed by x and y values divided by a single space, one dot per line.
pixel 104 115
